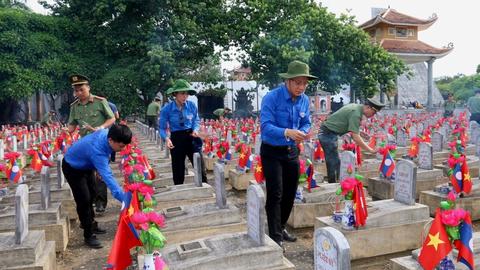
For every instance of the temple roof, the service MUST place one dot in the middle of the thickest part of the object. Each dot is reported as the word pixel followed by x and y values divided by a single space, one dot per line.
pixel 393 17
pixel 412 46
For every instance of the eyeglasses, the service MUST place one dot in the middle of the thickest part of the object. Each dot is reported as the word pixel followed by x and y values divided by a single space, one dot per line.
pixel 374 109
pixel 300 82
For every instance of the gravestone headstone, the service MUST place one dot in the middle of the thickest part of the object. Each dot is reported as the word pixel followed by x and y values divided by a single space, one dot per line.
pixel 256 214
pixel 425 156
pixel 420 128
pixel 347 159
pixel 21 213
pixel 220 193
pixel 405 182
pixel 391 139
pixel 258 143
pixel 413 132
pixel 331 250
pixel 309 150
pixel 60 176
pixel 14 143
pixel 437 142
pixel 167 151
pixel 2 150
pixel 45 187
pixel 197 167
pixel 229 137
pixel 25 141
pixel 402 138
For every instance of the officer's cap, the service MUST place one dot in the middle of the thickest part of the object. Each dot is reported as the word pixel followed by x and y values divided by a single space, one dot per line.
pixel 78 79
pixel 375 103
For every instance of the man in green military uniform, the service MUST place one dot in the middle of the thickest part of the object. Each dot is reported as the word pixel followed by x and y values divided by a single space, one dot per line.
pixel 153 110
pixel 473 105
pixel 347 119
pixel 221 113
pixel 449 106
pixel 90 113
pixel 49 118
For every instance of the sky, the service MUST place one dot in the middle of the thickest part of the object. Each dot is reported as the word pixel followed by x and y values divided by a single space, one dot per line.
pixel 458 22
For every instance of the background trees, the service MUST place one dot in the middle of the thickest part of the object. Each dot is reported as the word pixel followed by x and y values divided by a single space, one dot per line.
pixel 133 49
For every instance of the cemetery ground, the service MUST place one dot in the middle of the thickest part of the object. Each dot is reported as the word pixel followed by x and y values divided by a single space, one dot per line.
pixel 78 256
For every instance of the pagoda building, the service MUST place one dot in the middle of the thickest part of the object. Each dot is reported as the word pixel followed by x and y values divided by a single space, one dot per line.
pixel 398 34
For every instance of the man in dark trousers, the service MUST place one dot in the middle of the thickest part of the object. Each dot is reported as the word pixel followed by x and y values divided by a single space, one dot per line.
pixel 285 121
pixel 91 153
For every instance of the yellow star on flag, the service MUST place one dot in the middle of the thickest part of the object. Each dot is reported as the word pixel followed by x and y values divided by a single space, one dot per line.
pixel 414 147
pixel 435 240
pixel 258 169
pixel 466 177
pixel 242 155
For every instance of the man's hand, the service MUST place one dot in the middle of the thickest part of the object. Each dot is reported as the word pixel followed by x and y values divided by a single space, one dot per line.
pixel 295 135
pixel 88 127
pixel 169 143
pixel 194 134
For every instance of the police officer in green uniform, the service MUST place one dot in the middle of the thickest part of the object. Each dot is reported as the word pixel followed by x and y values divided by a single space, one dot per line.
pixel 347 119
pixel 90 113
pixel 473 105
pixel 221 113
pixel 449 106
pixel 153 110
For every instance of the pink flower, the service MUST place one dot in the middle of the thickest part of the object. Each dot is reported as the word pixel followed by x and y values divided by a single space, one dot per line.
pixel 347 185
pixel 141 219
pixel 453 217
pixel 156 218
pixel 451 196
pixel 128 169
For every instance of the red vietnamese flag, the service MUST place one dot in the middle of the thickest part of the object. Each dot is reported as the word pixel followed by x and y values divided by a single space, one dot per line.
pixel 360 204
pixel 244 155
pixel 126 236
pixel 258 174
pixel 436 245
pixel 467 179
pixel 36 163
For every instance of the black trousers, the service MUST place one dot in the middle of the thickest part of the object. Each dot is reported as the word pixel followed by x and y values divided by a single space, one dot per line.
pixel 82 184
pixel 475 117
pixel 101 199
pixel 281 168
pixel 329 141
pixel 183 147
pixel 152 121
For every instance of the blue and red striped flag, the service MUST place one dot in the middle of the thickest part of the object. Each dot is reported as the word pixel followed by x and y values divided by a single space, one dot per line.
pixel 388 165
pixel 465 244
pixel 457 178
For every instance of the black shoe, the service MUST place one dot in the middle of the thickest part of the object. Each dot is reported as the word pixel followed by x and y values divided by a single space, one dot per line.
pixel 93 242
pixel 100 209
pixel 288 236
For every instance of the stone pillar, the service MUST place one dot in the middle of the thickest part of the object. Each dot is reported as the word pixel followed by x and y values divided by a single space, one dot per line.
pixel 382 94
pixel 430 83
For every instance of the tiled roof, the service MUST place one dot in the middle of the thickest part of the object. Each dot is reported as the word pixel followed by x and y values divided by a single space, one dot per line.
pixel 411 46
pixel 393 17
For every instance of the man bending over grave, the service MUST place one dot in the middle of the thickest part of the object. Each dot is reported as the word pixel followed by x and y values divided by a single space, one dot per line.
pixel 347 119
pixel 91 153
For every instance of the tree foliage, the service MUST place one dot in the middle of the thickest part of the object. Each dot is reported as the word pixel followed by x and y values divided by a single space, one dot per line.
pixel 33 54
pixel 461 86
pixel 338 52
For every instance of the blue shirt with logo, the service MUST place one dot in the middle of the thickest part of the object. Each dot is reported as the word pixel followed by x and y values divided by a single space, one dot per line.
pixel 93 152
pixel 178 119
pixel 280 112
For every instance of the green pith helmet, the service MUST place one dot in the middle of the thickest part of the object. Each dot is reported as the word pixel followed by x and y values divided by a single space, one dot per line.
pixel 297 69
pixel 181 85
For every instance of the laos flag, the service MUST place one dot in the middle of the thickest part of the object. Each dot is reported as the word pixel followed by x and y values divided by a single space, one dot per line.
pixel 457 178
pixel 388 165
pixel 465 244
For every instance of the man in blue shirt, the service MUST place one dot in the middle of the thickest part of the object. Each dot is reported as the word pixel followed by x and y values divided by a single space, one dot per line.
pixel 91 153
pixel 285 121
pixel 181 116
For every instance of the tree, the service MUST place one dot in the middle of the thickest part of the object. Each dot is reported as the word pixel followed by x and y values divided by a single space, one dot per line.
pixel 338 52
